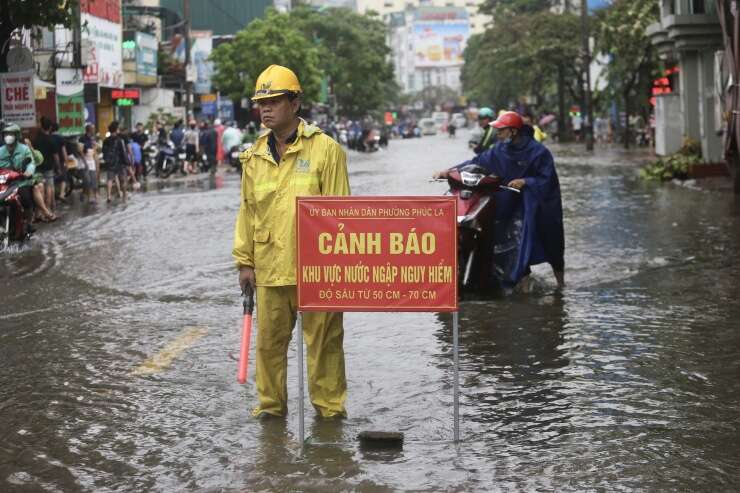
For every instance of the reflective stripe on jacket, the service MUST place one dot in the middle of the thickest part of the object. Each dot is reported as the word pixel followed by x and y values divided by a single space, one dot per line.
pixel 264 235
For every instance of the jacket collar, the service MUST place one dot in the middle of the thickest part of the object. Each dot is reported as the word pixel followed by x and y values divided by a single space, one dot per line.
pixel 304 131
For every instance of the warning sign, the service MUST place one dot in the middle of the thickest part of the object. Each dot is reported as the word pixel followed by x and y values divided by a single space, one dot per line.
pixel 18 98
pixel 377 254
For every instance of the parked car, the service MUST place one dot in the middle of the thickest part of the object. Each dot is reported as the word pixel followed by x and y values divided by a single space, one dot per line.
pixel 428 126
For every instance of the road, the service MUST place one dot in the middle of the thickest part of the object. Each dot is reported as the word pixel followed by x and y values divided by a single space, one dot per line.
pixel 118 328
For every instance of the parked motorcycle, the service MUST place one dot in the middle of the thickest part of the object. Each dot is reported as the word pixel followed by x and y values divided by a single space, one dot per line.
pixel 169 159
pixel 483 254
pixel 13 227
pixel 149 156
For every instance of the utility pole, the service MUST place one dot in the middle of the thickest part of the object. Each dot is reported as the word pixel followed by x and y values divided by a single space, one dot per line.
pixel 587 110
pixel 188 84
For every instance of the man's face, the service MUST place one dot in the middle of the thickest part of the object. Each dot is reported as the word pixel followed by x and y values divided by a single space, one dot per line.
pixel 484 122
pixel 505 133
pixel 139 128
pixel 278 111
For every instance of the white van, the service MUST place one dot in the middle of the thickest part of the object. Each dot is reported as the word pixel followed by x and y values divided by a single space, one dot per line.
pixel 428 126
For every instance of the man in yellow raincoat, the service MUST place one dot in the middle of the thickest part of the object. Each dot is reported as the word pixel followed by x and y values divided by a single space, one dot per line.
pixel 290 159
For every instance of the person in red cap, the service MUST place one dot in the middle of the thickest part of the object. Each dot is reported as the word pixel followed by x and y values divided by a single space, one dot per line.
pixel 537 212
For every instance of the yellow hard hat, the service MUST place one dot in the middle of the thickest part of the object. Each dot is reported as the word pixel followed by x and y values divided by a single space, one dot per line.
pixel 275 81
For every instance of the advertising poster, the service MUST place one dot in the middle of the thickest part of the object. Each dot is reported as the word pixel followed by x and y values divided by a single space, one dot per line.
pixel 70 101
pixel 200 68
pixel 440 44
pixel 105 65
pixel 377 254
pixel 146 58
pixel 18 98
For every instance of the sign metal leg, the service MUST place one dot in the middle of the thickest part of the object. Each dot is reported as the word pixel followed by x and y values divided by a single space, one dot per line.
pixel 299 359
pixel 456 391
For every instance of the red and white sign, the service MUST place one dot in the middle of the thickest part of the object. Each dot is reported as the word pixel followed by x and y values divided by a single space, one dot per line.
pixel 377 254
pixel 105 64
pixel 18 98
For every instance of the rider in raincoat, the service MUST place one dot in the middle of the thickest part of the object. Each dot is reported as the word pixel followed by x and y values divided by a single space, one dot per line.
pixel 525 164
pixel 291 159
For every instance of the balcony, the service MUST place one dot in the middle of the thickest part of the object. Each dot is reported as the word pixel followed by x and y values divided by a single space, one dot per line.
pixel 685 32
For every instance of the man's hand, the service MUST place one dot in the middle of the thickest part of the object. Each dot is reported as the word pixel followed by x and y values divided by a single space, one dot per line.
pixel 441 174
pixel 246 277
pixel 518 183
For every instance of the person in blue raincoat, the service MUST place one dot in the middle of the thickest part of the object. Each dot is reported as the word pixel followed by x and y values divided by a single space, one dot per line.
pixel 525 164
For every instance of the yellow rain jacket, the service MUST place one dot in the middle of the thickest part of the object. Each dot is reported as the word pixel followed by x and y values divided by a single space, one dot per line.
pixel 264 236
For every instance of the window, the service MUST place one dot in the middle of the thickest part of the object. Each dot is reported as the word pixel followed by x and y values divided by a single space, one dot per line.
pixel 697 7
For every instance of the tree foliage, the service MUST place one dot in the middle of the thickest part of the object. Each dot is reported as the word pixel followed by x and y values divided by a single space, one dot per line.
pixel 347 48
pixel 274 39
pixel 354 55
pixel 520 55
pixel 622 35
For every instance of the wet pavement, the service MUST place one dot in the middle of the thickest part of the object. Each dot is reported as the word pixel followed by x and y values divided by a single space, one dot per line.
pixel 118 327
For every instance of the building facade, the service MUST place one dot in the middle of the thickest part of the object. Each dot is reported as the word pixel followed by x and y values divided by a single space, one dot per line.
pixel 427 47
pixel 689 42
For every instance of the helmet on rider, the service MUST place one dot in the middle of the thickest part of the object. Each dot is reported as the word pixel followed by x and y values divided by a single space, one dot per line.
pixel 275 81
pixel 11 134
pixel 508 119
pixel 485 112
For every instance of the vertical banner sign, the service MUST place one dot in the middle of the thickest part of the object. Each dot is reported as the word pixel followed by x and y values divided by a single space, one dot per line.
pixel 201 68
pixel 70 101
pixel 18 103
pixel 377 254
pixel 105 62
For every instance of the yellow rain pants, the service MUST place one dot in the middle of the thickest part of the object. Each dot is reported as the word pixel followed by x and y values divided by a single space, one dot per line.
pixel 324 335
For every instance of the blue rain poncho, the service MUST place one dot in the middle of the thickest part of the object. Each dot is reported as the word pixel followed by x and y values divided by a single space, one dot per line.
pixel 534 218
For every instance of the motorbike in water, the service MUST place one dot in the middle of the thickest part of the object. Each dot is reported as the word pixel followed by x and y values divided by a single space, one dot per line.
pixel 234 154
pixel 13 227
pixel 487 248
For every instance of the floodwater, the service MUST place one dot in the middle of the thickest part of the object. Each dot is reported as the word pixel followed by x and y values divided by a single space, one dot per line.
pixel 629 379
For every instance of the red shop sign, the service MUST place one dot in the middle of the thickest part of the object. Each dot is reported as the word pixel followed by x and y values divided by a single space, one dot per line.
pixel 363 254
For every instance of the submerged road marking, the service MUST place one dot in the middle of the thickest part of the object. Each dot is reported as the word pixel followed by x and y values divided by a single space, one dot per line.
pixel 164 358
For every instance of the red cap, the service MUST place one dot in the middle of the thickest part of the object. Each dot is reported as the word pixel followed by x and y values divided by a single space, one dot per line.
pixel 509 119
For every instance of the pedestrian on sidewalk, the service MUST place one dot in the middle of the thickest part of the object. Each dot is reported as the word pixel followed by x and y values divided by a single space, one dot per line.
pixel 291 159
pixel 191 139
pixel 61 177
pixel 208 146
pixel 48 149
pixel 116 158
pixel 219 129
pixel 90 183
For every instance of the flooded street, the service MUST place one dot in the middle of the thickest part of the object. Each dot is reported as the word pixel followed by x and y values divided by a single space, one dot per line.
pixel 118 328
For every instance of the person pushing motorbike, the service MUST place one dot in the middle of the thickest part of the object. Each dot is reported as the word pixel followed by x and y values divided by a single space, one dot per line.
pixel 291 159
pixel 525 164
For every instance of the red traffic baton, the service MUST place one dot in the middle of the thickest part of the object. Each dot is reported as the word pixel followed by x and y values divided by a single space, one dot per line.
pixel 248 303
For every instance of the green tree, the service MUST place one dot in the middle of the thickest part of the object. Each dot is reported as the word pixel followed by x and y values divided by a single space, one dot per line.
pixel 354 56
pixel 622 34
pixel 522 54
pixel 275 39
pixel 15 14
